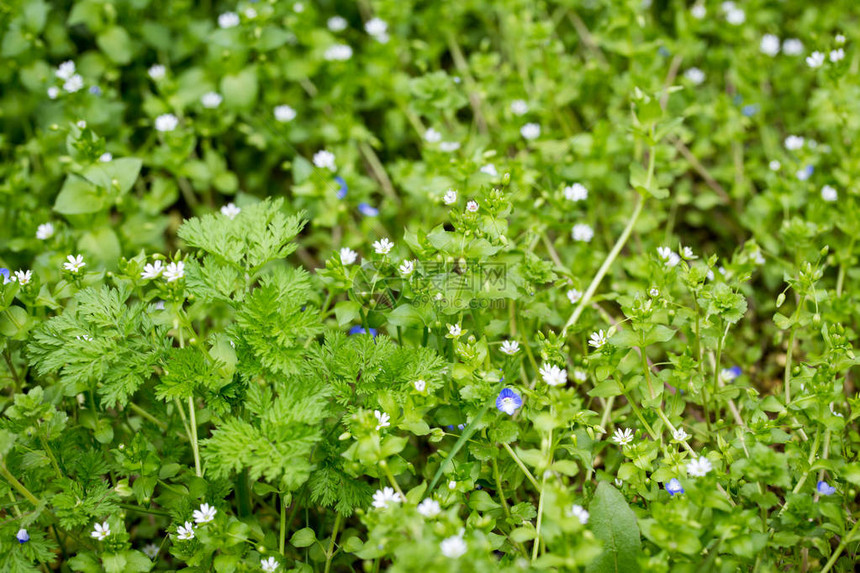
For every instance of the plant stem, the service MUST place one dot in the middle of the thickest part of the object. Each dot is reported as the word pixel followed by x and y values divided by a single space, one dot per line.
pixel 791 350
pixel 610 258
pixel 391 479
pixel 522 466
pixel 845 541
pixel 143 413
pixel 139 509
pixel 282 532
pixel 330 553
pixel 194 445
pixel 4 471
pixel 548 452
pixel 499 489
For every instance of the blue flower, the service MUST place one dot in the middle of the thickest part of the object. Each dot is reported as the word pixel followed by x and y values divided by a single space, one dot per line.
pixel 357 329
pixel 22 536
pixel 367 210
pixel 95 90
pixel 5 274
pixel 825 488
pixel 508 401
pixel 664 51
pixel 738 99
pixel 750 110
pixel 673 486
pixel 342 189
pixel 729 374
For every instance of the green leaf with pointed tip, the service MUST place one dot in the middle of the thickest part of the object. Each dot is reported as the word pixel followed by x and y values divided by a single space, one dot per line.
pixel 614 523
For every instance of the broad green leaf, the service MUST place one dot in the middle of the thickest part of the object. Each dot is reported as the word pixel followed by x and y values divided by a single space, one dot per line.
pixel 614 523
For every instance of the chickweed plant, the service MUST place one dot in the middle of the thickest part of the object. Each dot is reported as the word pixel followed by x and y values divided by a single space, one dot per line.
pixel 474 286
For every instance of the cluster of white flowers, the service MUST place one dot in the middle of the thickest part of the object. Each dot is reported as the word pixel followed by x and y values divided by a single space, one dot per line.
pixel 106 157
pixel 45 231
pixel 794 142
pixel 72 81
pixel 680 435
pixel 582 232
pixel 668 256
pixel 285 113
pixel 453 547
pixel 432 136
pixel 205 514
pixel 378 28
pixel 385 496
pixel 228 20
pixel 553 375
pixel 734 15
pixel 171 272
pixel 338 53
pixel 770 46
pixel 324 159
pixel 185 532
pixel 580 513
pixel 699 467
pixel 429 508
pixel 829 194
pixel 576 192
pixel 815 59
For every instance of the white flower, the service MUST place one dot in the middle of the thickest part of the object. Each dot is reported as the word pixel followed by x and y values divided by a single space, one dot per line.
pixel 152 270
pixel 407 268
pixel 698 467
pixel 73 84
pixel 489 169
pixel 82 124
pixel 794 142
pixel 230 210
pixel 298 7
pixel 269 565
pixel 429 508
pixel 553 375
pixel 804 173
pixel 382 246
pixel 472 206
pixel 769 45
pixel 736 17
pixel 622 436
pixel 157 72
pixel 65 70
pixel 151 550
pixel 837 55
pixel 582 232
pixel 576 192
pixel 654 292
pixel 774 165
pixel 829 194
pixel 100 531
pixel 839 39
pixel 285 113
pixel 453 547
pixel 347 256
pixel 23 277
pixel 698 11
pixel 680 435
pixel 383 420
pixel 84 337
pixel 338 53
pixel 185 532
pixel 205 514
pixel 455 330
pixel 432 136
pixel 687 254
pixel 336 24
pixel 166 122
pixel 695 75
pixel 174 271
pixel 377 28
pixel 228 20
pixel 250 13
pixel 580 513
pixel 449 146
pixel 75 263
pixel 519 107
pixel 325 160
pixel 597 339
pixel 530 131
pixel 510 347
pixel 53 92
pixel 211 100
pixel 420 385
pixel 579 375
pixel 792 47
pixel 668 256
pixel 452 485
pixel 450 197
pixel 815 60
pixel 384 496
pixel 573 296
pixel 45 231
pixel 106 157
pixel 834 412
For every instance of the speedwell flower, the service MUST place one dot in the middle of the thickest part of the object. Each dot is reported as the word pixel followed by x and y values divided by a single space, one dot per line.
pixel 22 536
pixel 508 401
pixel 368 210
pixel 205 514
pixel 825 488
pixel 673 486
pixel 553 375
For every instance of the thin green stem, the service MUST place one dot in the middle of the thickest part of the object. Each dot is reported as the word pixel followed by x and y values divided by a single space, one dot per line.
pixel 522 466
pixel 790 350
pixel 613 254
pixel 282 531
pixel 384 465
pixel 4 471
pixel 330 553
pixel 499 490
pixel 198 470
pixel 845 541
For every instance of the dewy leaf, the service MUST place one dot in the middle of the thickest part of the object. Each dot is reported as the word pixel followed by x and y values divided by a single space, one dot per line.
pixel 614 523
